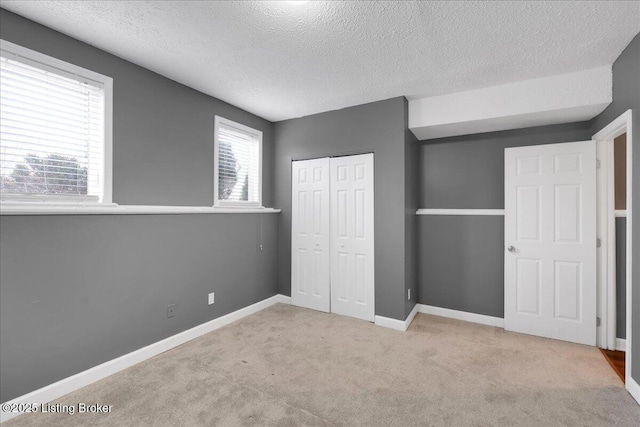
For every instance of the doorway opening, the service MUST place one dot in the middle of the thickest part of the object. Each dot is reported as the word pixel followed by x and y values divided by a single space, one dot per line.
pixel 614 243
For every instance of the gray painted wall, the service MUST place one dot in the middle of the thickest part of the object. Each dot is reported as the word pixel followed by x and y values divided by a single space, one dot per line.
pixel 76 291
pixel 621 277
pixel 371 128
pixel 626 95
pixel 462 263
pixel 467 172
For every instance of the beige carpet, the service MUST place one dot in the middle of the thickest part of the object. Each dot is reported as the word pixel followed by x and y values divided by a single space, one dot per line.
pixel 290 366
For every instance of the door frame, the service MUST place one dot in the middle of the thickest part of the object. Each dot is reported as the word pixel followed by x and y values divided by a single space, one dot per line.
pixel 607 256
pixel 606 222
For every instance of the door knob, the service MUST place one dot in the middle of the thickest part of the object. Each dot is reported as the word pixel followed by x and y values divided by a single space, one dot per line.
pixel 512 249
pixel 317 244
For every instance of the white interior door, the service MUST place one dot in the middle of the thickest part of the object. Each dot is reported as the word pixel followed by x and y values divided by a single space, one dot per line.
pixel 310 237
pixel 352 240
pixel 550 241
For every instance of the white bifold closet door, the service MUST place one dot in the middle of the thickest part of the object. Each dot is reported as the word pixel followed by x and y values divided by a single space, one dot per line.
pixel 352 260
pixel 332 254
pixel 310 259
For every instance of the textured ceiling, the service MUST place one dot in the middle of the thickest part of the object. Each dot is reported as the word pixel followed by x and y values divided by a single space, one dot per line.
pixel 281 60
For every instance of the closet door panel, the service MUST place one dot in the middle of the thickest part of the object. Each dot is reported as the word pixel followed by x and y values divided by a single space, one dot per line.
pixel 310 236
pixel 352 239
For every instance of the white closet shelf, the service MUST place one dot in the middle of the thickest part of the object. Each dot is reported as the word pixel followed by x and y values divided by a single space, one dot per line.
pixel 460 212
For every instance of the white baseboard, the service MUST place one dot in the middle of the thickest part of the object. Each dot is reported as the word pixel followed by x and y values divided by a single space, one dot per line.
pixel 411 316
pixel 461 315
pixel 398 325
pixel 621 344
pixel 58 389
pixel 633 388
pixel 284 299
pixel 388 322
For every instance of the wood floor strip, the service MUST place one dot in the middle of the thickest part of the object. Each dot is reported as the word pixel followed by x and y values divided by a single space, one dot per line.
pixel 616 361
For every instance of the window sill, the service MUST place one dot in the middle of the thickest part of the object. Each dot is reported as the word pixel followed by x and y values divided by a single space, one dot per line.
pixel 114 209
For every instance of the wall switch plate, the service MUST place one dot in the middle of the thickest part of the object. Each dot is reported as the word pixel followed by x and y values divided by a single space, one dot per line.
pixel 171 310
pixel 408 294
pixel 211 298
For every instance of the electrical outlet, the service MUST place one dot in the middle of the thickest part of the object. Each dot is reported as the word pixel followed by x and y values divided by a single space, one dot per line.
pixel 211 298
pixel 408 294
pixel 171 310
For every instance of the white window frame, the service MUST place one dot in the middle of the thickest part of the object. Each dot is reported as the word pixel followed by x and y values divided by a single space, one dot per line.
pixel 218 121
pixel 46 62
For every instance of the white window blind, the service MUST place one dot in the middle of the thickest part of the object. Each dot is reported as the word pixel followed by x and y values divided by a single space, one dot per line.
pixel 52 129
pixel 238 164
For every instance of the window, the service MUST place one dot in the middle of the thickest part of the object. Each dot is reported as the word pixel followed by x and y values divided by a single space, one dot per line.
pixel 55 136
pixel 238 164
